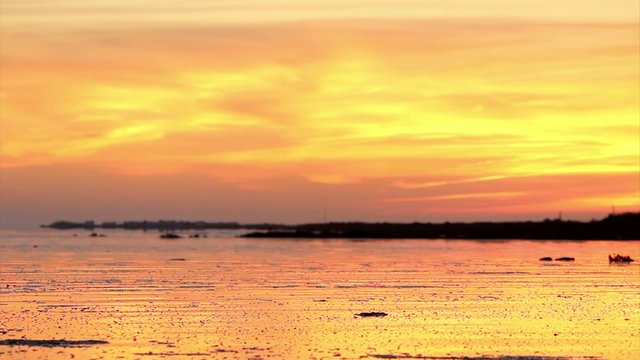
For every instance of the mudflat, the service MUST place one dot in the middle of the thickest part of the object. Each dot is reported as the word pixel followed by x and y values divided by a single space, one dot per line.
pixel 133 295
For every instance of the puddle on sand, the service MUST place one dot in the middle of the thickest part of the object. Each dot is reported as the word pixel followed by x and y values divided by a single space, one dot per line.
pixel 252 298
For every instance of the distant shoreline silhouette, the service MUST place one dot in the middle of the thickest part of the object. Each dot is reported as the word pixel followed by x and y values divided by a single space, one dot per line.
pixel 613 227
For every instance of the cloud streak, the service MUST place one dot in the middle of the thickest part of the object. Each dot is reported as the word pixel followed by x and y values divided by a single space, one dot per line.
pixel 389 108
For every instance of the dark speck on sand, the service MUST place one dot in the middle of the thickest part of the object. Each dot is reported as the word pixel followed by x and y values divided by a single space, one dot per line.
pixel 171 353
pixel 372 314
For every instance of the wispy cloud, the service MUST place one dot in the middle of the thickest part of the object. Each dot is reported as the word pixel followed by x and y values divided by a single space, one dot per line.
pixel 450 111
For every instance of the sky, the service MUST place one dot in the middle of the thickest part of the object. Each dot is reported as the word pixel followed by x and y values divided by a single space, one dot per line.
pixel 305 111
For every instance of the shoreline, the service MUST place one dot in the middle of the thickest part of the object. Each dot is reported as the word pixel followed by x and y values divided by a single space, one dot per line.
pixel 613 227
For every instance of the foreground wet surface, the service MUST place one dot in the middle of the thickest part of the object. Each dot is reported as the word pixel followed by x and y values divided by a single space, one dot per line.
pixel 132 295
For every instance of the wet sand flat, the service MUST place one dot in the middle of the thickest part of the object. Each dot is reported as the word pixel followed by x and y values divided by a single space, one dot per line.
pixel 225 297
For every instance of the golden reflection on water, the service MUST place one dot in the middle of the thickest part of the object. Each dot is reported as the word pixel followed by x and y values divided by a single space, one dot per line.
pixel 264 298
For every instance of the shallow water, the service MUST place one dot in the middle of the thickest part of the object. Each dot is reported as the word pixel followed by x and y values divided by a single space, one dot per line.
pixel 225 297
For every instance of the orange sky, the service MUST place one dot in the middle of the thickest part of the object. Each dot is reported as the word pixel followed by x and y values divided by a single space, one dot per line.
pixel 258 110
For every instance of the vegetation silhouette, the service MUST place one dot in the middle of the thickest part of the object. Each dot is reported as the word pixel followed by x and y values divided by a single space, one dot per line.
pixel 613 227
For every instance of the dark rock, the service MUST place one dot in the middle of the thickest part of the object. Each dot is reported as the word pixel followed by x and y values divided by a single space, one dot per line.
pixel 171 353
pixel 620 259
pixel 170 236
pixel 565 259
pixel 546 258
pixel 52 343
pixel 371 314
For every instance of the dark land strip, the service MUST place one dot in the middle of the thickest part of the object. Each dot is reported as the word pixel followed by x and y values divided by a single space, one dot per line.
pixel 613 227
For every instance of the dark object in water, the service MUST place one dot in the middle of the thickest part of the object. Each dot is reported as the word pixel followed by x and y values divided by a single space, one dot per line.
pixel 52 343
pixel 97 235
pixel 170 236
pixel 565 259
pixel 178 259
pixel 372 314
pixel 546 258
pixel 620 259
